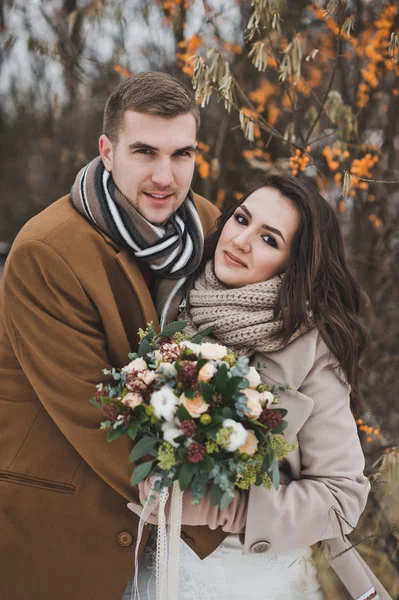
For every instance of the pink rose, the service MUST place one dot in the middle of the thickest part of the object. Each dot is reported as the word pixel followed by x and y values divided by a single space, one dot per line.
pixel 207 372
pixel 251 444
pixel 195 407
pixel 254 407
pixel 132 400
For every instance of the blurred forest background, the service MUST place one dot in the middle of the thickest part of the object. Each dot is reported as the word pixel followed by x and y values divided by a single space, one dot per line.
pixel 306 87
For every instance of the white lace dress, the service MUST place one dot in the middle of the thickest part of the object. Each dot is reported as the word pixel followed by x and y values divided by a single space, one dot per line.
pixel 227 574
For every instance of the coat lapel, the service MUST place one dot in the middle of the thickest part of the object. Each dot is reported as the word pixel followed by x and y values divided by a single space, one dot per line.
pixel 130 268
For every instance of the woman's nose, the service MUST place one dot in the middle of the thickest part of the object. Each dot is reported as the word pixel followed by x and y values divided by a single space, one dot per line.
pixel 241 242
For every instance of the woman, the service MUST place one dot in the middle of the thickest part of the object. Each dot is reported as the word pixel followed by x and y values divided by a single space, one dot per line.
pixel 275 286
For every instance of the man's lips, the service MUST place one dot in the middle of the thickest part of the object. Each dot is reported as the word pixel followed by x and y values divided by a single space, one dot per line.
pixel 233 260
pixel 158 198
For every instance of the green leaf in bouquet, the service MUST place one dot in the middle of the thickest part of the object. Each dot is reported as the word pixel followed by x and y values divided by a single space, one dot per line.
pixel 95 402
pixel 221 379
pixel 141 472
pixel 183 414
pixel 226 499
pixel 185 475
pixel 201 362
pixel 227 412
pixel 207 391
pixel 133 429
pixel 105 399
pixel 114 434
pixel 280 428
pixel 215 495
pixel 267 460
pixel 282 411
pixel 275 474
pixel 144 348
pixel 172 328
pixel 190 393
pixel 206 464
pixel 232 387
pixel 197 339
pixel 143 447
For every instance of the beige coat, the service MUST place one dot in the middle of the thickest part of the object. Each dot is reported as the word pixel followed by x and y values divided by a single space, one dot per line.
pixel 328 491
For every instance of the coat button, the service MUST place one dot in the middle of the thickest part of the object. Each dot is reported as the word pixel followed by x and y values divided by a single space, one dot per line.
pixel 260 547
pixel 125 538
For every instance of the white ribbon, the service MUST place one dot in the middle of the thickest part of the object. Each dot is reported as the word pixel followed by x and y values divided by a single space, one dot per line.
pixel 168 550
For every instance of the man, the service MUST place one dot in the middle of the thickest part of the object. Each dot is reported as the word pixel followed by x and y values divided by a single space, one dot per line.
pixel 75 290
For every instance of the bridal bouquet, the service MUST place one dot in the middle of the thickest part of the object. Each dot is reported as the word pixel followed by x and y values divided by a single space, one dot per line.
pixel 198 415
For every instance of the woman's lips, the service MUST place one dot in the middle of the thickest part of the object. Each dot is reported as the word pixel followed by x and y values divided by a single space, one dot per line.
pixel 232 260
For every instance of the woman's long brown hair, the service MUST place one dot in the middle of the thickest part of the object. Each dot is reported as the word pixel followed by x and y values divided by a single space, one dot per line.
pixel 317 277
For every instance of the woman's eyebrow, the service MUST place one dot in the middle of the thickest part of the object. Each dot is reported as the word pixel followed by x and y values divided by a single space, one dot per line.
pixel 268 227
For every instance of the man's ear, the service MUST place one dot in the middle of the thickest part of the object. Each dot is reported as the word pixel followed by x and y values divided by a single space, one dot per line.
pixel 106 151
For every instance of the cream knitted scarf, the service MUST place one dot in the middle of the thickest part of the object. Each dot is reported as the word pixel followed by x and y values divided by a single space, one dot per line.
pixel 242 318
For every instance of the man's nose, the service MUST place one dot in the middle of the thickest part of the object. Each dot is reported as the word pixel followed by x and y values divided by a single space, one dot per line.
pixel 162 174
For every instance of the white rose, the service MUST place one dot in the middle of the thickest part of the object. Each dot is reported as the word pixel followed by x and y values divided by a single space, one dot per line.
pixel 238 436
pixel 138 364
pixel 213 351
pixel 164 402
pixel 254 407
pixel 207 372
pixel 253 378
pixel 132 400
pixel 266 399
pixel 170 432
pixel 191 346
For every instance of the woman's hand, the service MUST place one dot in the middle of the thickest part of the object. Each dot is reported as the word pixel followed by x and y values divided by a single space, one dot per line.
pixel 231 519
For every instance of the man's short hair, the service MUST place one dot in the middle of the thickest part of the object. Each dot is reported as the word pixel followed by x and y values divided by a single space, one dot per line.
pixel 153 93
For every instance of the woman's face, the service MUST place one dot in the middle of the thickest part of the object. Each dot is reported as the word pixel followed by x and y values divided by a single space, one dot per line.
pixel 255 243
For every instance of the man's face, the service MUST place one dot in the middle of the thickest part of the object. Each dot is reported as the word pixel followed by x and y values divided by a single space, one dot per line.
pixel 153 162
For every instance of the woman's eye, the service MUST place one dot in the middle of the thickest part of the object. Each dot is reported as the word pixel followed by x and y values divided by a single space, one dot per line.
pixel 270 240
pixel 241 219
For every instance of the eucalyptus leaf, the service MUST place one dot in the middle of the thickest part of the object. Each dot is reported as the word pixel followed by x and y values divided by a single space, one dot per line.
pixel 95 403
pixel 226 499
pixel 215 495
pixel 114 434
pixel 144 348
pixel 197 339
pixel 172 328
pixel 275 475
pixel 141 472
pixel 143 447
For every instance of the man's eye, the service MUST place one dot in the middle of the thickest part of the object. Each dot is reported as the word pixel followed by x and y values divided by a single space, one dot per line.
pixel 270 240
pixel 183 153
pixel 144 151
pixel 241 219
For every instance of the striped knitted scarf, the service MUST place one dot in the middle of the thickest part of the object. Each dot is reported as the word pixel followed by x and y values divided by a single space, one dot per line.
pixel 172 251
